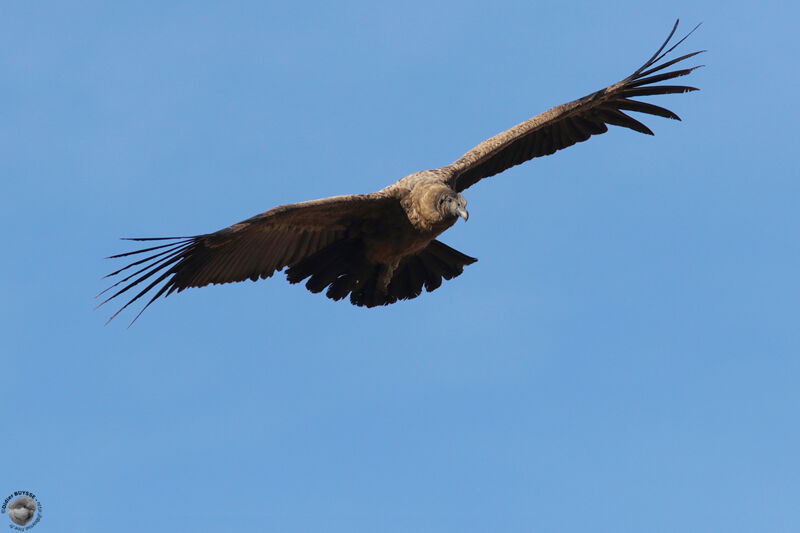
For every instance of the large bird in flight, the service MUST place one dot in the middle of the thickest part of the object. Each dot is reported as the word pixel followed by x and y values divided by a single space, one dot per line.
pixel 381 247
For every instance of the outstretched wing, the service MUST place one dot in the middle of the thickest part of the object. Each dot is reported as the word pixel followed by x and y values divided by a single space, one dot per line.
pixel 576 121
pixel 252 249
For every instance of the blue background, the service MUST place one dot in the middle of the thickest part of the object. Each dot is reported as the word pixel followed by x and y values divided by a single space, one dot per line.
pixel 623 357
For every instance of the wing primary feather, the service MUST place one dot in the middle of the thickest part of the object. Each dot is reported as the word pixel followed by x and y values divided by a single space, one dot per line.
pixel 618 118
pixel 646 75
pixel 157 238
pixel 154 283
pixel 140 261
pixel 151 300
pixel 674 46
pixel 654 58
pixel 645 107
pixel 152 269
pixel 653 90
pixel 146 267
pixel 126 254
pixel 658 56
pixel 143 292
pixel 650 80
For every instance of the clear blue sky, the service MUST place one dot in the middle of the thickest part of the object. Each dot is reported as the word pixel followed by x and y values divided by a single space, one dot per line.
pixel 624 357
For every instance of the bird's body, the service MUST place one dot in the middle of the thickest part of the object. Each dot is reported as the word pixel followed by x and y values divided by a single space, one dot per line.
pixel 381 247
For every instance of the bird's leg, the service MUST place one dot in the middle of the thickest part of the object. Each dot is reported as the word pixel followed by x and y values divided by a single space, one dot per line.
pixel 384 277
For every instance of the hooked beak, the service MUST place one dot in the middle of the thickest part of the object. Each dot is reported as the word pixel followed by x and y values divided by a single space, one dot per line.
pixel 462 212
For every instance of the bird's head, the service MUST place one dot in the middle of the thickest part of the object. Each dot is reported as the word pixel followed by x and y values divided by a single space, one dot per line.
pixel 451 204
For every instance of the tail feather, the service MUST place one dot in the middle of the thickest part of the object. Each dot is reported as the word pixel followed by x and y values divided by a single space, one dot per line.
pixel 343 269
pixel 400 284
pixel 427 269
pixel 334 267
pixel 416 277
pixel 366 291
pixel 454 260
pixel 341 287
pixel 433 270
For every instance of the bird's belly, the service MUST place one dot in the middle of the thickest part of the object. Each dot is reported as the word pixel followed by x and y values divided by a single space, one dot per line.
pixel 390 249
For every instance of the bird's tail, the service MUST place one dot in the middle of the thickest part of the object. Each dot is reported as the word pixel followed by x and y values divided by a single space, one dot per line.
pixel 343 268
pixel 427 268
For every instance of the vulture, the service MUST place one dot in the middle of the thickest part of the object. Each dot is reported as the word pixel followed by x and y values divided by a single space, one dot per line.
pixel 382 247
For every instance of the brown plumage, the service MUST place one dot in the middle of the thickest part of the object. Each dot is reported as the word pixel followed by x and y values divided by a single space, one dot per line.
pixel 381 247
